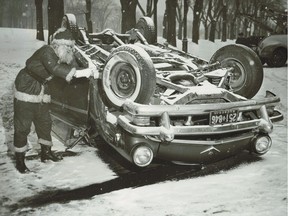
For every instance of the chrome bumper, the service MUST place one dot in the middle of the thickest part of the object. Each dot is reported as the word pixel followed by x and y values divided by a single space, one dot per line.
pixel 136 114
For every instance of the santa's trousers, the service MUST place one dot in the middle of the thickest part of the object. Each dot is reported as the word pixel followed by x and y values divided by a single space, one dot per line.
pixel 24 114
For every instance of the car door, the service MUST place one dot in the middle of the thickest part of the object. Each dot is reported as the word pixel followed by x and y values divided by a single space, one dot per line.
pixel 70 100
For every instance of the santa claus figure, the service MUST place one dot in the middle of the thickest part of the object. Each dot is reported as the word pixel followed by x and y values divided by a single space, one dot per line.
pixel 32 98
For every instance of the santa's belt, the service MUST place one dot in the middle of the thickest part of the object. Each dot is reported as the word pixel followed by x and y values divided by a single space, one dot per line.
pixel 38 78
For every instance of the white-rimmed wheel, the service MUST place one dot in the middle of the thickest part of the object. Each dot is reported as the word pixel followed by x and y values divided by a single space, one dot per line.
pixel 129 73
pixel 247 76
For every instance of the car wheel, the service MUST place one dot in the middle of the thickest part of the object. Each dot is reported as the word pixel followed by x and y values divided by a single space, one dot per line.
pixel 69 22
pixel 263 60
pixel 129 73
pixel 147 28
pixel 247 76
pixel 278 59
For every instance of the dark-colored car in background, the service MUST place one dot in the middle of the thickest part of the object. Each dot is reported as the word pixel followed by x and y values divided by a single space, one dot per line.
pixel 273 50
pixel 149 100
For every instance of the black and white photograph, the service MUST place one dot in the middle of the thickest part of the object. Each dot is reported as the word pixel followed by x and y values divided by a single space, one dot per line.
pixel 143 108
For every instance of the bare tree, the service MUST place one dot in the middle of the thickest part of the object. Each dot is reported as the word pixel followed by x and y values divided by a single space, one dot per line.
pixel 13 13
pixel 165 24
pixel 88 16
pixel 171 21
pixel 197 10
pixel 128 9
pixel 179 18
pixel 55 15
pixel 267 15
pixel 103 12
pixel 115 21
pixel 233 13
pixel 2 12
pixel 185 41
pixel 149 8
pixel 205 19
pixel 214 14
pixel 224 20
pixel 39 20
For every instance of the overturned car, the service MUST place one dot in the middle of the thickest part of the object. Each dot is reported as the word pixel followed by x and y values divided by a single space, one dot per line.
pixel 149 100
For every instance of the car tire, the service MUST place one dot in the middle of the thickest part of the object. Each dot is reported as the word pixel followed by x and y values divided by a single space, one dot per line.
pixel 129 73
pixel 247 76
pixel 147 28
pixel 263 60
pixel 69 22
pixel 278 58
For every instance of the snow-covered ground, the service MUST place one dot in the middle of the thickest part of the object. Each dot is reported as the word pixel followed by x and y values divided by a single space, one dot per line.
pixel 251 189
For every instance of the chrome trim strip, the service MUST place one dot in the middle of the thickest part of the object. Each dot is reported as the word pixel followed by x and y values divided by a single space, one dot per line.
pixel 210 149
pixel 222 141
pixel 70 107
pixel 136 109
pixel 216 142
pixel 278 117
pixel 189 130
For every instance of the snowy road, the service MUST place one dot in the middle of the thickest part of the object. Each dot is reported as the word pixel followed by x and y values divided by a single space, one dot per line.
pixel 85 183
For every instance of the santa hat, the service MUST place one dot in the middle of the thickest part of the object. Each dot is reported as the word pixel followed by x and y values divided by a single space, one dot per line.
pixel 63 37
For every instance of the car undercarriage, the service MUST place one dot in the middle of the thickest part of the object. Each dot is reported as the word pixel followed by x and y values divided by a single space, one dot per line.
pixel 150 100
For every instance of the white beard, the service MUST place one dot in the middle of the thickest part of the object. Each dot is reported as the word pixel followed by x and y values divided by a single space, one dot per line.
pixel 65 54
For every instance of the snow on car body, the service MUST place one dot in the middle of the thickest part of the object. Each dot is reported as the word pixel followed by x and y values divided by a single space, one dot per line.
pixel 153 101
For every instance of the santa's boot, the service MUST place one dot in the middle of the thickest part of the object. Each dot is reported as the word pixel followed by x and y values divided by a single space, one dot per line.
pixel 47 154
pixel 20 162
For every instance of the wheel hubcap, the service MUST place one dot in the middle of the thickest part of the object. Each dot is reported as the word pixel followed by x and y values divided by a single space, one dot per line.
pixel 123 80
pixel 238 76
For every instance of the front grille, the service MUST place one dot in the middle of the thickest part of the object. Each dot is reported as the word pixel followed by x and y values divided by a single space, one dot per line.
pixel 208 101
pixel 212 137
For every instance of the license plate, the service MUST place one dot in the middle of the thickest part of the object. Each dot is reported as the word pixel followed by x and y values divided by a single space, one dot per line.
pixel 223 117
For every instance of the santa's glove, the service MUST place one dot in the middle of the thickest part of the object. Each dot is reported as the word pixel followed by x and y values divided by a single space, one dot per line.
pixel 70 75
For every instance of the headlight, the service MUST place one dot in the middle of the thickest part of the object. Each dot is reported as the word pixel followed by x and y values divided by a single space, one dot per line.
pixel 262 144
pixel 142 156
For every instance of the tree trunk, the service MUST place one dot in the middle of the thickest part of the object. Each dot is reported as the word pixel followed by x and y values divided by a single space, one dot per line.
pixel 88 16
pixel 206 31
pixel 219 28
pixel 256 13
pixel 224 23
pixel 149 7
pixel 212 30
pixel 155 17
pixel 185 41
pixel 165 25
pixel 198 6
pixel 245 27
pixel 2 13
pixel 128 9
pixel 55 15
pixel 39 20
pixel 180 30
pixel 179 19
pixel 171 24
